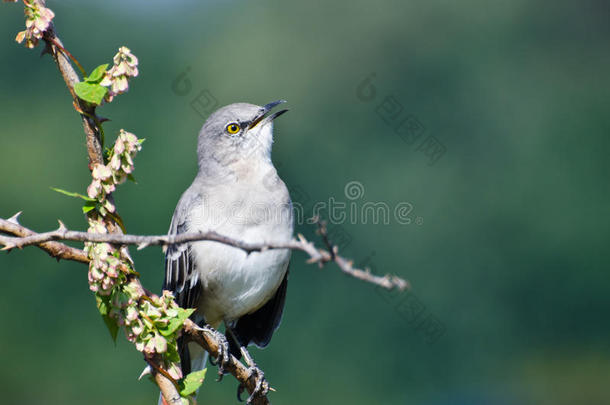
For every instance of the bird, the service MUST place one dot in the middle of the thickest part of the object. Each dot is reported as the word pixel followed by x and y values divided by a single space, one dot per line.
pixel 236 193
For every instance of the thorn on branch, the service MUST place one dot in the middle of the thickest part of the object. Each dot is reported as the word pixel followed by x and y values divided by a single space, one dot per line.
pixel 9 247
pixel 160 370
pixel 15 218
pixel 62 228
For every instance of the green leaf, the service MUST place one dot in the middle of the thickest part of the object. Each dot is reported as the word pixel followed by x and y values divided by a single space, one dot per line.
pixel 89 205
pixel 176 323
pixel 112 326
pixel 107 153
pixel 97 75
pixel 131 178
pixel 103 305
pixel 71 194
pixel 91 92
pixel 172 354
pixel 192 382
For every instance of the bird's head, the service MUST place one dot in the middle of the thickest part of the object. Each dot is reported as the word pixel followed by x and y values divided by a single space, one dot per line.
pixel 237 132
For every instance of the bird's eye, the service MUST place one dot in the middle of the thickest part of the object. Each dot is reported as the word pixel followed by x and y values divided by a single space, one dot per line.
pixel 233 128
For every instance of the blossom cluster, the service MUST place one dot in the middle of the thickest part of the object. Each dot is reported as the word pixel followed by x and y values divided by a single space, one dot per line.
pixel 104 269
pixel 107 177
pixel 150 317
pixel 37 21
pixel 146 320
pixel 117 78
pixel 149 321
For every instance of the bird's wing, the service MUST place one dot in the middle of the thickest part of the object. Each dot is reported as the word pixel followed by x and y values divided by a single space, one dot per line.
pixel 258 327
pixel 181 278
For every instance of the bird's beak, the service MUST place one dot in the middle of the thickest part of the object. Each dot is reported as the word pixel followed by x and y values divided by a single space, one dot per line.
pixel 262 117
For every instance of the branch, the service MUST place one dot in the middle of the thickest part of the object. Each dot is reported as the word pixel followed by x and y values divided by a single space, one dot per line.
pixel 199 335
pixel 91 122
pixel 94 133
pixel 168 390
pixel 202 336
pixel 48 241
pixel 316 255
pixel 54 249
pixel 87 112
pixel 207 339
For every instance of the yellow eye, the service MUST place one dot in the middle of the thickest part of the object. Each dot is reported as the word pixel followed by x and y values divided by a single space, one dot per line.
pixel 233 128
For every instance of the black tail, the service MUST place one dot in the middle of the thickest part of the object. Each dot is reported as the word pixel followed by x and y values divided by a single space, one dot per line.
pixel 258 327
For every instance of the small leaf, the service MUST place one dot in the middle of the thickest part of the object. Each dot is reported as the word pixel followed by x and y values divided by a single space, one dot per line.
pixel 112 326
pixel 97 75
pixel 103 305
pixel 91 92
pixel 89 205
pixel 172 354
pixel 176 323
pixel 71 194
pixel 131 178
pixel 107 153
pixel 192 382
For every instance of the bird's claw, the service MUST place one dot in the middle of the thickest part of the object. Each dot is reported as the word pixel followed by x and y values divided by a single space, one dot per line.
pixel 224 355
pixel 261 388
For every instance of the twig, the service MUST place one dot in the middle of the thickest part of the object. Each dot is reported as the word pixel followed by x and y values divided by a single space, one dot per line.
pixel 69 55
pixel 316 255
pixel 167 385
pixel 54 249
pixel 92 131
pixel 48 241
pixel 94 135
pixel 168 389
pixel 205 339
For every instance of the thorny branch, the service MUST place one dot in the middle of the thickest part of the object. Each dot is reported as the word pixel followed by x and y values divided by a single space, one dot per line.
pixel 54 249
pixel 48 241
pixel 55 47
pixel 208 340
pixel 93 131
pixel 26 237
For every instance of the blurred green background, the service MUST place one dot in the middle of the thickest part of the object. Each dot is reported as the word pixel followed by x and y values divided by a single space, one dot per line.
pixel 507 250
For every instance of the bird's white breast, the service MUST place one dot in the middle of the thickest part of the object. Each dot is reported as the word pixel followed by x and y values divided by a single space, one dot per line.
pixel 252 210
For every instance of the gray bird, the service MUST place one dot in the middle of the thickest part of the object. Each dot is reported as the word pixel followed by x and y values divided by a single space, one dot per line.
pixel 236 193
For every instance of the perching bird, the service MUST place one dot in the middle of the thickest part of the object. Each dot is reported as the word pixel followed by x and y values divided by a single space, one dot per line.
pixel 236 193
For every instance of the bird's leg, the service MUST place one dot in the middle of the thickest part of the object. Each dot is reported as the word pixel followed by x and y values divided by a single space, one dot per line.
pixel 224 355
pixel 262 387
pixel 242 349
